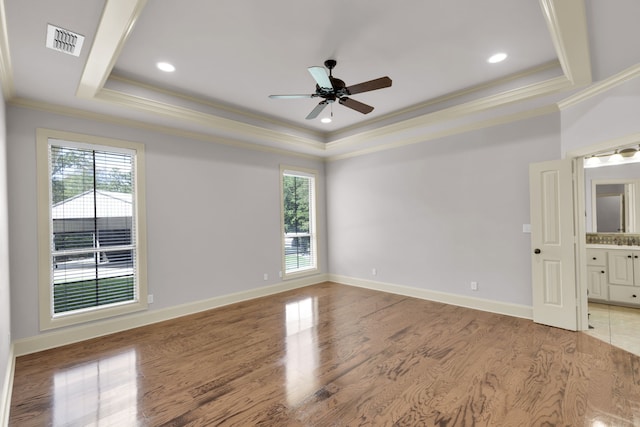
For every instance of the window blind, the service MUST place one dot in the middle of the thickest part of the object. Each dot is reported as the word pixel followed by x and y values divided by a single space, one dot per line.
pixel 93 245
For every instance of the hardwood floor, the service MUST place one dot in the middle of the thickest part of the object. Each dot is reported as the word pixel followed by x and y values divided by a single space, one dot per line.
pixel 332 355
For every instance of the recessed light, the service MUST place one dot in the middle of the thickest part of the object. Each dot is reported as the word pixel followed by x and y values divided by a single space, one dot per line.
pixel 325 120
pixel 166 67
pixel 498 57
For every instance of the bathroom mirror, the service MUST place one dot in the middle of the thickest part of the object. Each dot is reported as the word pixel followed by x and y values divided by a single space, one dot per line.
pixel 612 199
pixel 613 206
pixel 611 214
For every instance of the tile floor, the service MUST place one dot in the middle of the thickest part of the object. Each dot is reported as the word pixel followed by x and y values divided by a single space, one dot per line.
pixel 619 326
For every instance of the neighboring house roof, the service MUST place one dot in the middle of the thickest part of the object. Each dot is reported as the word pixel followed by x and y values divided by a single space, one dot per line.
pixel 107 204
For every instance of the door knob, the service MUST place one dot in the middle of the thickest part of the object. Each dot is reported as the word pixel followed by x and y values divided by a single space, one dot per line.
pixel 537 251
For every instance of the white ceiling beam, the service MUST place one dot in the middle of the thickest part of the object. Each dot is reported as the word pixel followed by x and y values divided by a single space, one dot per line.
pixel 116 23
pixel 567 22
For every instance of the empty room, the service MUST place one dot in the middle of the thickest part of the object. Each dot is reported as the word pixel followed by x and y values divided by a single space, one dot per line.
pixel 338 214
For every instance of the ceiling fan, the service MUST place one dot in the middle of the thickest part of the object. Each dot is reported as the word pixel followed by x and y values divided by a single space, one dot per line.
pixel 330 89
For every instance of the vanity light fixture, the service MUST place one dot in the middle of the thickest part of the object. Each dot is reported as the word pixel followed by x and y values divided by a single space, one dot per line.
pixel 593 161
pixel 616 157
pixel 628 152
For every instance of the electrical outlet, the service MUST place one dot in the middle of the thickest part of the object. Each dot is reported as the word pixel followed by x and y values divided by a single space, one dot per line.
pixel 374 272
pixel 150 298
pixel 266 276
pixel 474 286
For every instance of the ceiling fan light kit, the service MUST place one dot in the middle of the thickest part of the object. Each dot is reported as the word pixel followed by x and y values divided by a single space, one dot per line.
pixel 330 89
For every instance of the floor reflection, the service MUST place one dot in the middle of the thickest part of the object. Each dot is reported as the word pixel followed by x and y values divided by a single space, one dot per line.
pixel 100 393
pixel 616 325
pixel 302 349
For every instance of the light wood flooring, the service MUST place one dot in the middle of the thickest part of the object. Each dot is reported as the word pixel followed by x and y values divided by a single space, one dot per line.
pixel 332 355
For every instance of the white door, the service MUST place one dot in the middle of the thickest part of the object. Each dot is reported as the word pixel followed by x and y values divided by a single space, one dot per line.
pixel 552 244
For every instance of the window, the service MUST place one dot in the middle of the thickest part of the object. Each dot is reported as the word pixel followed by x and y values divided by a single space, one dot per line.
pixel 298 221
pixel 91 233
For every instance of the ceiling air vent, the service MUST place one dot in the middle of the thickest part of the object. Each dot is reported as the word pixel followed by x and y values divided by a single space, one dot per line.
pixel 64 40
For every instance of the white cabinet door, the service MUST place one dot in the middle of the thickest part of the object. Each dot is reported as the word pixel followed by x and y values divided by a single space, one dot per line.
pixel 597 283
pixel 553 244
pixel 620 267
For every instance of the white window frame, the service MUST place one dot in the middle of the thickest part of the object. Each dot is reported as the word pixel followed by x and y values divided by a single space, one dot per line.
pixel 307 173
pixel 45 224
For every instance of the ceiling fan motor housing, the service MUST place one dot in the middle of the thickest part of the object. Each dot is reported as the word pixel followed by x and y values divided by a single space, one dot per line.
pixel 330 89
pixel 339 89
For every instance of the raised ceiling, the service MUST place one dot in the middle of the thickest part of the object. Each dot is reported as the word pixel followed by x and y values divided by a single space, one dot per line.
pixel 230 55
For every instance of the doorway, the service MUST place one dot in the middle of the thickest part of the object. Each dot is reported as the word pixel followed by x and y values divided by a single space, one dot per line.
pixel 611 191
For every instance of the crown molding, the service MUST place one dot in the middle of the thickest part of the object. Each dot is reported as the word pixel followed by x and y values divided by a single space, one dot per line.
pixel 208 120
pixel 333 136
pixel 565 18
pixel 527 92
pixel 6 70
pixel 118 19
pixel 116 23
pixel 601 87
pixel 496 121
pixel 321 136
pixel 567 23
pixel 168 130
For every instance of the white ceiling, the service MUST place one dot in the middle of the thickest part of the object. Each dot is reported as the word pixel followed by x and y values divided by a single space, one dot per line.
pixel 230 55
pixel 238 52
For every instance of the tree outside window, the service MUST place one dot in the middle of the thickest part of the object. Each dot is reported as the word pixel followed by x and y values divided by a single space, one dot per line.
pixel 298 221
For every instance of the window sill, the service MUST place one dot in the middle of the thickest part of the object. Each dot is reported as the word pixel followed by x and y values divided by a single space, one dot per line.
pixel 91 315
pixel 300 273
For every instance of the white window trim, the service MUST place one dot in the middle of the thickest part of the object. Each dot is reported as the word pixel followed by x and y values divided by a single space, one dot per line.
pixel 313 226
pixel 47 320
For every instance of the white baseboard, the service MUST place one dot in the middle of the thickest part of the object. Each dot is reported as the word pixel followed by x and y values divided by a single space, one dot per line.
pixel 7 387
pixel 509 309
pixel 92 330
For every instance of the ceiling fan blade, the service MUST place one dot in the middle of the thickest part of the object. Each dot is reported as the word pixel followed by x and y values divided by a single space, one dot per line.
pixel 321 77
pixel 289 96
pixel 374 84
pixel 356 105
pixel 314 113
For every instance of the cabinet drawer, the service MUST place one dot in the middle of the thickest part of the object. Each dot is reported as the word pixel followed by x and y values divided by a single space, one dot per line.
pixel 624 294
pixel 597 257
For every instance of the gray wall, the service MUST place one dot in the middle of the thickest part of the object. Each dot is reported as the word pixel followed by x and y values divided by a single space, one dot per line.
pixel 5 307
pixel 441 214
pixel 213 214
pixel 607 116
